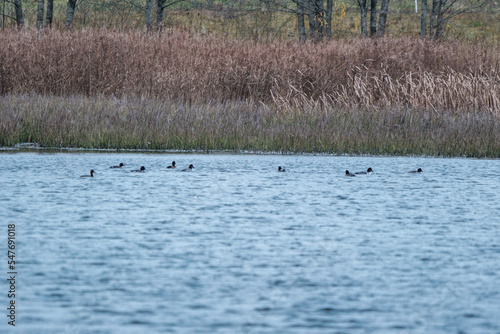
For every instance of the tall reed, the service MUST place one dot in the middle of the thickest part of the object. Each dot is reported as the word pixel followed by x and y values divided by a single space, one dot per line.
pixel 380 73
pixel 134 123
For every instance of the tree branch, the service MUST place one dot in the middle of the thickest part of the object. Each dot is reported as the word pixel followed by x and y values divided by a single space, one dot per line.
pixel 142 8
pixel 279 7
pixel 461 11
pixel 172 3
pixel 9 17
pixel 447 7
pixel 78 3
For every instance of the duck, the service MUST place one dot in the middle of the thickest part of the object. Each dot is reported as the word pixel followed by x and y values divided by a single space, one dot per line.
pixel 172 166
pixel 139 170
pixel 348 174
pixel 368 171
pixel 120 166
pixel 91 174
pixel 188 169
pixel 416 171
pixel 281 169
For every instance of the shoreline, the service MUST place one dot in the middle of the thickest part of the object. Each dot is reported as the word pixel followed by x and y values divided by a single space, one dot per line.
pixel 79 150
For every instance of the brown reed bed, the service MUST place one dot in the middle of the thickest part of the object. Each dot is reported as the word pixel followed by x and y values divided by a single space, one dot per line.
pixel 111 123
pixel 375 73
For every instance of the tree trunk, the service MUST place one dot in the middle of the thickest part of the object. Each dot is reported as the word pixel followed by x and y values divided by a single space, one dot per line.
pixel 50 13
pixel 319 17
pixel 19 13
pixel 148 14
pixel 329 10
pixel 423 20
pixel 3 14
pixel 433 18
pixel 160 7
pixel 384 9
pixel 312 19
pixel 373 18
pixel 439 21
pixel 70 13
pixel 300 21
pixel 39 14
pixel 362 7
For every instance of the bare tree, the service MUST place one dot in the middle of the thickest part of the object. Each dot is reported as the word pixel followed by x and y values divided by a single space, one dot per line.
pixel 301 9
pixel 3 14
pixel 301 21
pixel 19 13
pixel 432 18
pixel 384 9
pixel 373 18
pixel 423 20
pixel 312 21
pixel 147 12
pixel 70 13
pixel 438 28
pixel 317 15
pixel 319 20
pixel 382 17
pixel 50 13
pixel 329 10
pixel 39 14
pixel 160 7
pixel 444 10
pixel 364 11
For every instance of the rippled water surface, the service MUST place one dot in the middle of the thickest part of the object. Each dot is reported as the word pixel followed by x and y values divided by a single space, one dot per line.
pixel 236 247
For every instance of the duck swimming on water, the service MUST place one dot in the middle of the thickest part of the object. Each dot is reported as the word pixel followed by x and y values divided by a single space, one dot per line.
pixel 139 170
pixel 120 166
pixel 172 166
pixel 416 171
pixel 281 169
pixel 348 174
pixel 91 174
pixel 368 171
pixel 188 169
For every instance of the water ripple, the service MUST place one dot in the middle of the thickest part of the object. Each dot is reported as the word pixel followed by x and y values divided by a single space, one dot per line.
pixel 235 247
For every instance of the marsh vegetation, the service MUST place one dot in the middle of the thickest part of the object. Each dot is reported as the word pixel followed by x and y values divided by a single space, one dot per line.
pixel 108 89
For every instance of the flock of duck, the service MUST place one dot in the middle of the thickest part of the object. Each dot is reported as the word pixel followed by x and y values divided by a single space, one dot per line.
pixel 280 169
pixel 140 170
pixel 370 170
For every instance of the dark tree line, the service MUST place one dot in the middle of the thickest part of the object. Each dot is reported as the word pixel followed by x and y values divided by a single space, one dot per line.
pixel 19 14
pixel 319 16
pixel 47 8
pixel 312 15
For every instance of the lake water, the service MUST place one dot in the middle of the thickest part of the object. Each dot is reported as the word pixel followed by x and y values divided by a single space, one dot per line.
pixel 236 247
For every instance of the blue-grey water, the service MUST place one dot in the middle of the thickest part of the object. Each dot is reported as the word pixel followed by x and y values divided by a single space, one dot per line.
pixel 236 247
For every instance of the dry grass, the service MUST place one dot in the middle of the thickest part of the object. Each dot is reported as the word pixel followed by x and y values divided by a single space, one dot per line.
pixel 150 124
pixel 378 73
